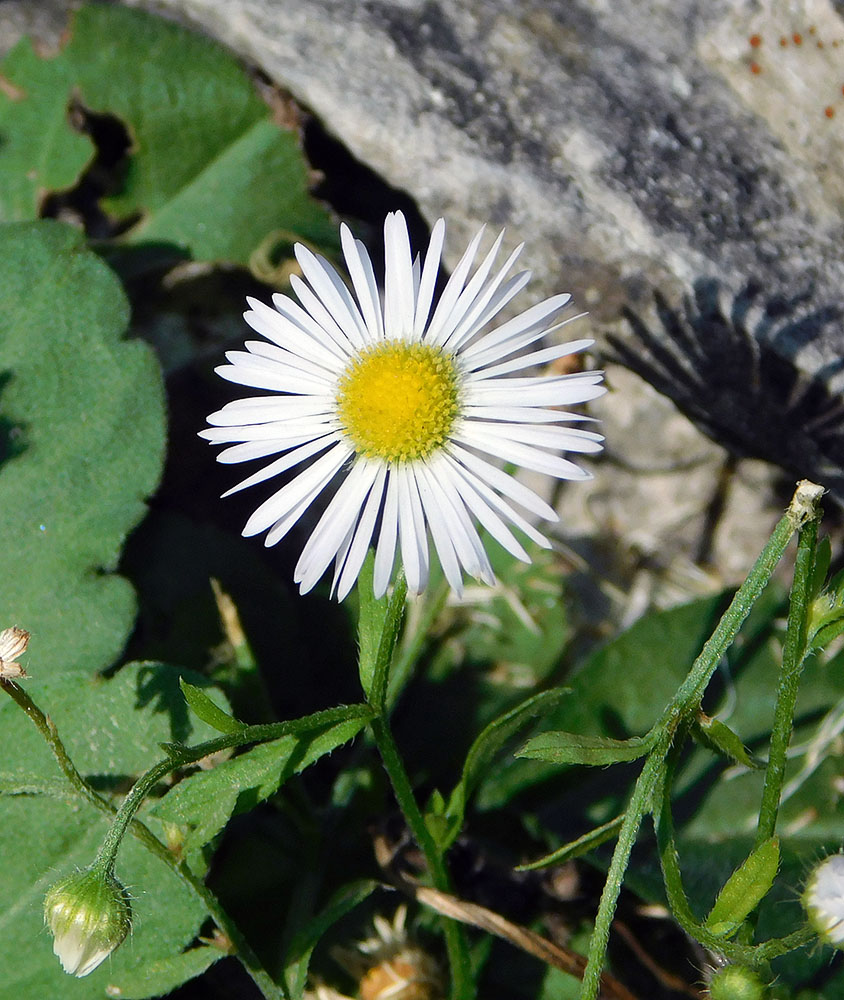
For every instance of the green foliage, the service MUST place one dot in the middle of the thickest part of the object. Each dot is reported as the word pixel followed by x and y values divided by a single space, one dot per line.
pixel 205 709
pixel 204 802
pixel 112 729
pixel 574 748
pixel 298 953
pixel 745 889
pixel 208 171
pixel 82 424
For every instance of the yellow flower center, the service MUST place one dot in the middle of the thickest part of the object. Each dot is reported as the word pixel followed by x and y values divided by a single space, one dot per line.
pixel 397 401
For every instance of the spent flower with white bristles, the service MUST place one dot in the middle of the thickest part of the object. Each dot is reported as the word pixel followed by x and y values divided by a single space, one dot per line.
pixel 823 900
pixel 403 400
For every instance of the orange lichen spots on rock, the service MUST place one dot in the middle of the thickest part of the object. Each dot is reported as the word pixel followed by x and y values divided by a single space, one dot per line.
pixel 755 41
pixel 755 68
pixel 797 38
pixel 820 45
pixel 829 111
pixel 783 41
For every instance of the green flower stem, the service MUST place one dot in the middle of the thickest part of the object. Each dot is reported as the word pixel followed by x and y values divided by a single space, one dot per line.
pixel 461 974
pixel 802 509
pixel 793 657
pixel 462 987
pixel 181 756
pixel 640 803
pixel 147 838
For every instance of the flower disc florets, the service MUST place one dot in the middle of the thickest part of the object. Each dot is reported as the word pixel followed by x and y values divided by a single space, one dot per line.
pixel 397 401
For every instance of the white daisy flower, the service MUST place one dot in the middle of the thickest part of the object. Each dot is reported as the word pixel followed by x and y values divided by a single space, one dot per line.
pixel 402 399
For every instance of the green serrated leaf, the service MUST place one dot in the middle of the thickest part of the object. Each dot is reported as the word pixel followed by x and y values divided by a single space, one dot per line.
pixel 713 734
pixel 111 729
pixel 208 170
pixel 575 748
pixel 204 802
pixel 82 415
pixel 298 955
pixel 745 889
pixel 206 710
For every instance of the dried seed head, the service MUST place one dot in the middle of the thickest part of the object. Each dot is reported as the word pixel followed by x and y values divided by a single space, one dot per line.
pixel 13 642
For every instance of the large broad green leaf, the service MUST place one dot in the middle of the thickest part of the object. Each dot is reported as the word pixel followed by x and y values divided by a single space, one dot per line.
pixel 111 729
pixel 208 170
pixel 81 442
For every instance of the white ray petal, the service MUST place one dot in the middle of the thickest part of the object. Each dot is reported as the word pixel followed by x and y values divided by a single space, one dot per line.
pixel 385 553
pixel 560 438
pixel 486 310
pixel 537 317
pixel 476 436
pixel 262 409
pixel 533 358
pixel 413 537
pixel 328 285
pixel 504 483
pixel 339 518
pixel 428 280
pixel 441 528
pixel 452 290
pixel 250 450
pixel 287 329
pixel 471 294
pixel 560 391
pixel 474 485
pixel 348 569
pixel 466 540
pixel 302 366
pixel 399 302
pixel 363 279
pixel 525 413
pixel 313 304
pixel 309 483
pixel 283 464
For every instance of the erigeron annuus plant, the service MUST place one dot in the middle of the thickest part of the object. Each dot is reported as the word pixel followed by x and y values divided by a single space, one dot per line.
pixel 390 401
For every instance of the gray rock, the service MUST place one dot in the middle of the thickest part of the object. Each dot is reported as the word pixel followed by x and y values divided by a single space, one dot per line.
pixel 676 165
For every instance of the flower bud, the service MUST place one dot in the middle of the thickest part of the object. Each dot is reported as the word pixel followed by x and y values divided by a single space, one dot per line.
pixel 823 900
pixel 737 982
pixel 89 916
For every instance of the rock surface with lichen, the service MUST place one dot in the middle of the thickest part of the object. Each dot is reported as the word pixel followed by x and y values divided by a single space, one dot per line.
pixel 675 165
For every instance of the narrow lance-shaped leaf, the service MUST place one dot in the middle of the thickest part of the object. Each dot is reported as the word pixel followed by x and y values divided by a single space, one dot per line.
pixel 745 889
pixel 713 734
pixel 205 709
pixel 574 748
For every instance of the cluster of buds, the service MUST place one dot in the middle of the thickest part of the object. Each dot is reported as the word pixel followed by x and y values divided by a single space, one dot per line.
pixel 89 915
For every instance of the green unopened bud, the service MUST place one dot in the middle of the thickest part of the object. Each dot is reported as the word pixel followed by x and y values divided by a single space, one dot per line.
pixel 737 982
pixel 89 916
pixel 823 900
